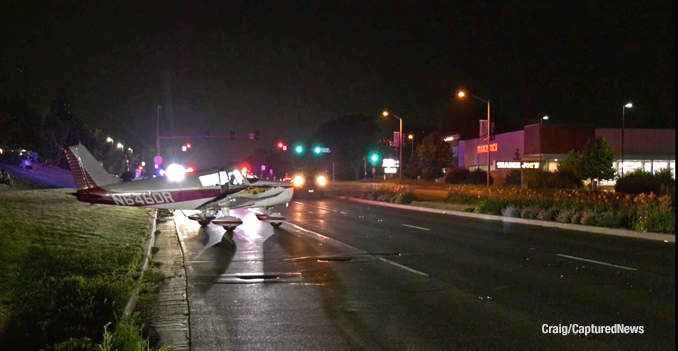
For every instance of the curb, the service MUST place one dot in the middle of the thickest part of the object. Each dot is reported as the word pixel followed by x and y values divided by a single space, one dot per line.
pixel 148 246
pixel 578 227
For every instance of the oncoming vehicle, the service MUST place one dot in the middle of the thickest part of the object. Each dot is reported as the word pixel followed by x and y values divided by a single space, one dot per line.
pixel 311 186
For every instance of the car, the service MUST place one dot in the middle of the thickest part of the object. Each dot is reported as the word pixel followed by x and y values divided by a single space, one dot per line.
pixel 313 186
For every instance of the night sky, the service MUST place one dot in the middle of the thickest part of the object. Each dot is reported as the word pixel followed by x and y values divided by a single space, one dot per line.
pixel 284 67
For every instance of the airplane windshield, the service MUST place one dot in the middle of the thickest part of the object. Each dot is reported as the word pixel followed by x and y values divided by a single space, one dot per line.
pixel 221 178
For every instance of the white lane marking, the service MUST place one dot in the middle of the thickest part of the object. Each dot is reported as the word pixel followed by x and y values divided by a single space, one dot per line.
pixel 357 249
pixel 415 227
pixel 403 267
pixel 597 262
pixel 342 212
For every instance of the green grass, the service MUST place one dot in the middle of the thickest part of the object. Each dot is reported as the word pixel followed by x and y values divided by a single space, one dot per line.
pixel 66 268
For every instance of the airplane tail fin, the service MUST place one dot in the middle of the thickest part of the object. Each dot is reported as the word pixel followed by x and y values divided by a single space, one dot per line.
pixel 87 172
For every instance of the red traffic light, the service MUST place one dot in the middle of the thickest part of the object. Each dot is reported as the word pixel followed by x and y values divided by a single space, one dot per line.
pixel 280 145
pixel 188 146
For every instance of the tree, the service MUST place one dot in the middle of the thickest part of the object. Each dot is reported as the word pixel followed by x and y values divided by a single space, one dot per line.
pixel 595 161
pixel 432 155
pixel 350 139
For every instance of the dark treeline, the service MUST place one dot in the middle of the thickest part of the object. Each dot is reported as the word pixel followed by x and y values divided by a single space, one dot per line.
pixel 25 128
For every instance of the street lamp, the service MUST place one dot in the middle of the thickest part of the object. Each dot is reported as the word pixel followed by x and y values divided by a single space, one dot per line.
pixel 545 118
pixel 120 146
pixel 400 145
pixel 109 140
pixel 628 105
pixel 411 137
pixel 489 128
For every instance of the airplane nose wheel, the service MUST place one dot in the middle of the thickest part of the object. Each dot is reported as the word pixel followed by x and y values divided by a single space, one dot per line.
pixel 229 229
pixel 204 223
pixel 276 224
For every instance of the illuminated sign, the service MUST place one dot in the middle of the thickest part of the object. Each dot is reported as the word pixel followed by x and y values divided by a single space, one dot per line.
pixel 390 165
pixel 516 165
pixel 482 149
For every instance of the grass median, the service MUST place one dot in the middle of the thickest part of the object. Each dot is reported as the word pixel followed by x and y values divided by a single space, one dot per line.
pixel 66 268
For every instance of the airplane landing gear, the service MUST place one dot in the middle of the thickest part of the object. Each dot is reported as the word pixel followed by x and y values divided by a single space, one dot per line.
pixel 228 222
pixel 203 218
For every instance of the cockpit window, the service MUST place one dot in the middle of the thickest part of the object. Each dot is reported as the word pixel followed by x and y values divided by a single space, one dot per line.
pixel 221 178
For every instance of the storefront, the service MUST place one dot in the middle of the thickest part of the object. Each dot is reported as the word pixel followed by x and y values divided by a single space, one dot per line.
pixel 547 145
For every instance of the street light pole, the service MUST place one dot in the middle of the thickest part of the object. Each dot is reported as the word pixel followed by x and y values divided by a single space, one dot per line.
pixel 489 131
pixel 400 145
pixel 157 131
pixel 623 122
pixel 411 137
pixel 540 153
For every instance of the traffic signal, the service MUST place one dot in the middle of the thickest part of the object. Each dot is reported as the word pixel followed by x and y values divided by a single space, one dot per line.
pixel 298 149
pixel 280 145
pixel 374 157
pixel 232 135
pixel 188 146
pixel 317 150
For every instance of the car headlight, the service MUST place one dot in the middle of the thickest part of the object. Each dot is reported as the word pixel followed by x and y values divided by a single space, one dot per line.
pixel 298 180
pixel 321 180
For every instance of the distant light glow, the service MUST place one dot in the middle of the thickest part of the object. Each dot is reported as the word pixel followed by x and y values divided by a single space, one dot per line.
pixel 298 180
pixel 461 94
pixel 109 140
pixel 188 146
pixel 628 105
pixel 321 180
pixel 244 170
pixel 189 170
pixel 120 146
pixel 183 148
pixel 545 117
pixel 143 163
pixel 156 166
pixel 175 172
pixel 449 138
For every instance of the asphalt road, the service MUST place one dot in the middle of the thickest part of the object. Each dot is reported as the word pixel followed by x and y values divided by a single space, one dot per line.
pixel 349 276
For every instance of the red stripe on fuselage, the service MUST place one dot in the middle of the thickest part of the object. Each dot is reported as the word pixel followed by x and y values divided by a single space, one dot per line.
pixel 146 198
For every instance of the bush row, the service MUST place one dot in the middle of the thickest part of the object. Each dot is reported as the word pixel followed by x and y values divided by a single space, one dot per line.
pixel 640 213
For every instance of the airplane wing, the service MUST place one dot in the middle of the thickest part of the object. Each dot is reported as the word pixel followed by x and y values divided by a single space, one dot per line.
pixel 243 197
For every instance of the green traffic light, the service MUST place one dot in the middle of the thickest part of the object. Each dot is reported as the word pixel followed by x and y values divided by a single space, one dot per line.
pixel 299 149
pixel 317 149
pixel 375 158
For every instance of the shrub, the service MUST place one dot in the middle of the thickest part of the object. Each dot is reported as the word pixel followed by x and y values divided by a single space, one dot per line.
pixel 638 182
pixel 492 206
pixel 564 216
pixel 608 219
pixel 564 179
pixel 576 217
pixel 588 218
pixel 529 212
pixel 512 178
pixel 654 214
pixel 477 177
pixel 510 211
pixel 456 175
pixel 540 180
pixel 385 197
pixel 405 198
pixel 546 214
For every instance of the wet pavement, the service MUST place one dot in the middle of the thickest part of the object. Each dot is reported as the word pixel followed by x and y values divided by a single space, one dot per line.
pixel 347 276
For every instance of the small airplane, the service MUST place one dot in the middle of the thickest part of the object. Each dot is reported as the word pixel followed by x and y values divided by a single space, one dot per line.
pixel 214 193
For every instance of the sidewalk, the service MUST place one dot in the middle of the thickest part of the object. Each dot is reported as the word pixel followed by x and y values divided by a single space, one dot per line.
pixel 169 312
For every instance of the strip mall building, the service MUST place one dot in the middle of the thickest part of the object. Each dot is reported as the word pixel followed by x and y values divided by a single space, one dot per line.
pixel 649 149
